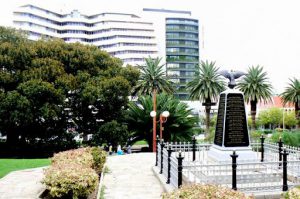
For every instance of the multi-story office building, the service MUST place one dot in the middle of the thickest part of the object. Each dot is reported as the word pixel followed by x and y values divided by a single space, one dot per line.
pixel 178 36
pixel 126 36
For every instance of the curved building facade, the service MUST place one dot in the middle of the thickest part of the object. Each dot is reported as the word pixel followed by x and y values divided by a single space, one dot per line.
pixel 126 36
pixel 182 52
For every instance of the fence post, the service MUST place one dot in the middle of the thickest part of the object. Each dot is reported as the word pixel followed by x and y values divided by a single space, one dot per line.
pixel 280 143
pixel 284 164
pixel 161 155
pixel 234 165
pixel 169 163
pixel 194 147
pixel 262 139
pixel 179 158
pixel 156 161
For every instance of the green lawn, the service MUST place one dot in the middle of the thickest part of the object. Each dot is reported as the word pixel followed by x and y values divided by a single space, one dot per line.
pixel 141 142
pixel 8 165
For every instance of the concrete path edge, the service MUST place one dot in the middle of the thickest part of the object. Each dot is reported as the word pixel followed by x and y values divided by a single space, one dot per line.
pixel 167 188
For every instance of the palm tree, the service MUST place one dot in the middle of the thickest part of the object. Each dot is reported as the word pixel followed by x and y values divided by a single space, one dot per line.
pixel 206 87
pixel 152 78
pixel 151 81
pixel 256 88
pixel 292 94
pixel 179 125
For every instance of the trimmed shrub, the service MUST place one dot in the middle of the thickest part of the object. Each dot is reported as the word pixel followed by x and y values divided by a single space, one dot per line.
pixel 255 135
pixel 205 192
pixel 74 173
pixel 71 179
pixel 81 156
pixel 293 194
pixel 99 158
pixel 288 138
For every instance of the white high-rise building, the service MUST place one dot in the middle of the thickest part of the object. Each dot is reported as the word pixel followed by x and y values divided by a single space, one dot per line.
pixel 126 36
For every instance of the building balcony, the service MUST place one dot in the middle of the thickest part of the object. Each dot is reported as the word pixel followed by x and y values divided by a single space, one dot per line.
pixel 182 53
pixel 182 30
pixel 194 46
pixel 181 68
pixel 181 38
pixel 182 22
pixel 182 60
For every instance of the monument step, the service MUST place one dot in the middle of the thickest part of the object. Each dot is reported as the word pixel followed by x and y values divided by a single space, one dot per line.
pixel 241 178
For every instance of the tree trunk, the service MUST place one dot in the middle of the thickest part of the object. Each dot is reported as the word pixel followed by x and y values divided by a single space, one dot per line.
pixel 253 105
pixel 154 122
pixel 207 112
pixel 297 114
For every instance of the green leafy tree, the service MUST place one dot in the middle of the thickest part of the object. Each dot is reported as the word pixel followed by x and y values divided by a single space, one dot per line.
pixel 256 88
pixel 111 133
pixel 46 84
pixel 206 87
pixel 292 95
pixel 179 125
pixel 11 35
pixel 290 119
pixel 263 118
pixel 275 116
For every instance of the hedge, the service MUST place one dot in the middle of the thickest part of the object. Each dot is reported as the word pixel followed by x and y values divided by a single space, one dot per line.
pixel 74 173
pixel 205 192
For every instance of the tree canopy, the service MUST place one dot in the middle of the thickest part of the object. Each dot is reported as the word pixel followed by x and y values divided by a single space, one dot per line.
pixel 46 84
pixel 292 95
pixel 256 87
pixel 153 77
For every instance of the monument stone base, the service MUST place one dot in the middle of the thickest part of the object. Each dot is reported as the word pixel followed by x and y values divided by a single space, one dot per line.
pixel 219 154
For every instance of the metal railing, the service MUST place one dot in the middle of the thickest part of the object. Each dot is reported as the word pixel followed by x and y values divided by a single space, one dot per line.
pixel 187 162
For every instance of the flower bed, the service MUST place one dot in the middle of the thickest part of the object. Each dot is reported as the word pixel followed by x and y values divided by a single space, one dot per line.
pixel 74 173
pixel 205 192
pixel 293 194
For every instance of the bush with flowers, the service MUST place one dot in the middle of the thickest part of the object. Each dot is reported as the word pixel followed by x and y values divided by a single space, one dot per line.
pixel 293 193
pixel 205 192
pixel 73 173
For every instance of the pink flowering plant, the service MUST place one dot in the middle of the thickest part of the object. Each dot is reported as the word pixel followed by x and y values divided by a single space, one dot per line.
pixel 205 192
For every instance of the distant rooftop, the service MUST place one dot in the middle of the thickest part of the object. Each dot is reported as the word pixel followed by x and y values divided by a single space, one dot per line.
pixel 167 11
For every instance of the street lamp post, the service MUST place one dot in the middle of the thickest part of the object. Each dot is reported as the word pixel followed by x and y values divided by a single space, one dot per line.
pixel 153 115
pixel 162 119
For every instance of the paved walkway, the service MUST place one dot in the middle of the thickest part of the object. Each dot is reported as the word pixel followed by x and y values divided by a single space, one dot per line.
pixel 131 177
pixel 24 184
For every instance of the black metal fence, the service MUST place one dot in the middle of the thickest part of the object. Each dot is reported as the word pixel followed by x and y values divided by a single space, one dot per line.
pixel 277 166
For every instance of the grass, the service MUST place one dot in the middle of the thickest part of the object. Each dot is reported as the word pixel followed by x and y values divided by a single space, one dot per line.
pixel 8 165
pixel 141 142
pixel 102 192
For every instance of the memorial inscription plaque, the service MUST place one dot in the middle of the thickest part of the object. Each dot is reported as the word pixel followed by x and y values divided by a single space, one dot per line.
pixel 236 132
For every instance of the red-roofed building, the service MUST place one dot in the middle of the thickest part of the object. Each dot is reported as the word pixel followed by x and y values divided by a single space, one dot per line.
pixel 276 102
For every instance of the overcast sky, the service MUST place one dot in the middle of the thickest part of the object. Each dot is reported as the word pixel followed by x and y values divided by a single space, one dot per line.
pixel 236 34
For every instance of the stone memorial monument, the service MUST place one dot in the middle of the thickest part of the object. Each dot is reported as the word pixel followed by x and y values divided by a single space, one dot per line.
pixel 231 132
